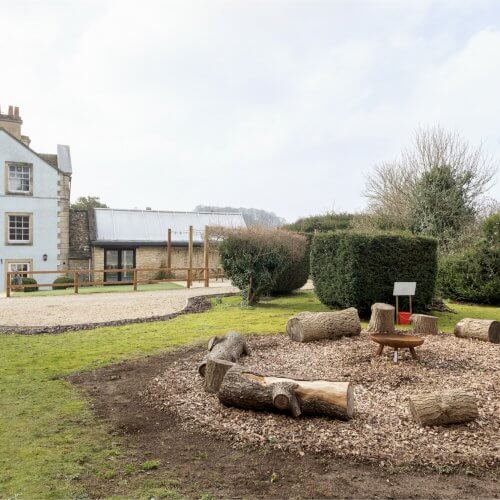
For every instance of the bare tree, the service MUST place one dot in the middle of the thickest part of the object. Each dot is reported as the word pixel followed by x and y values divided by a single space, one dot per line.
pixel 396 190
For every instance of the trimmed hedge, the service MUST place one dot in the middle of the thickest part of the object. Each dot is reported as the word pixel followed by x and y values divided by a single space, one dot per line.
pixel 471 276
pixel 294 275
pixel 264 261
pixel 63 279
pixel 357 270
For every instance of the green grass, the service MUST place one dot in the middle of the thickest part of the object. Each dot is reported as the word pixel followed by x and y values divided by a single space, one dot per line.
pixel 49 437
pixel 99 289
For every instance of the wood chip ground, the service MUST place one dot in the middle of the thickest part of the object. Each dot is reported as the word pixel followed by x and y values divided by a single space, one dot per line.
pixel 382 430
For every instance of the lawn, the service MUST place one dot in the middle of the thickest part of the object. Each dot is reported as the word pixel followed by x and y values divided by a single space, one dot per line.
pixel 49 437
pixel 45 291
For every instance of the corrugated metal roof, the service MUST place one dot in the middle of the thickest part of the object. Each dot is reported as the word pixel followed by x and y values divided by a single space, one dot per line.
pixel 149 226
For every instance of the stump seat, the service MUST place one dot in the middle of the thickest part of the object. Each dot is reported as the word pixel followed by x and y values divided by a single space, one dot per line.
pixel 397 341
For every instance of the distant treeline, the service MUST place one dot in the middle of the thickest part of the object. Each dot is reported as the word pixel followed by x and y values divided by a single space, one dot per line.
pixel 321 223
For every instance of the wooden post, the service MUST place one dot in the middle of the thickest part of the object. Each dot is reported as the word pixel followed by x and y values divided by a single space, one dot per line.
pixel 75 280
pixel 7 290
pixel 410 303
pixel 206 258
pixel 397 309
pixel 169 249
pixel 190 257
pixel 135 280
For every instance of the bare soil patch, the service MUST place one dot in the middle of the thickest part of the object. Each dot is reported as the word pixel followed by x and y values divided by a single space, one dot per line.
pixel 382 430
pixel 203 462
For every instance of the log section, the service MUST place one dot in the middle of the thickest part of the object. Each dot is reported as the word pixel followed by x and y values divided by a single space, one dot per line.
pixel 215 371
pixel 229 347
pixel 424 324
pixel 382 318
pixel 440 408
pixel 307 326
pixel 482 329
pixel 244 388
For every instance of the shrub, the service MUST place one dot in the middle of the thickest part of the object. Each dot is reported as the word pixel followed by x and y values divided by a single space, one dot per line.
pixel 63 279
pixel 322 223
pixel 29 281
pixel 355 269
pixel 471 276
pixel 263 261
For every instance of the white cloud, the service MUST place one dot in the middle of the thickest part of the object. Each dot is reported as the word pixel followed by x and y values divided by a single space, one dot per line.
pixel 280 105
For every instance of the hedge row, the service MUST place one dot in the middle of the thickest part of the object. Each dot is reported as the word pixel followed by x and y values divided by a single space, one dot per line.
pixel 471 276
pixel 357 270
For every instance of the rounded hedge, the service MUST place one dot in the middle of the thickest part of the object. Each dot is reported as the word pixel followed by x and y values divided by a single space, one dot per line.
pixel 471 276
pixel 356 270
pixel 264 261
pixel 29 281
pixel 63 279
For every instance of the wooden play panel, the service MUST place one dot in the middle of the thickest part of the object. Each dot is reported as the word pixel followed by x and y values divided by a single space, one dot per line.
pixel 398 341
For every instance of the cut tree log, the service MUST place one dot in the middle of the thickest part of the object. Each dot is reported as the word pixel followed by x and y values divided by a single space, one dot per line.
pixel 482 329
pixel 214 373
pixel 440 408
pixel 244 388
pixel 382 318
pixel 308 326
pixel 228 347
pixel 424 324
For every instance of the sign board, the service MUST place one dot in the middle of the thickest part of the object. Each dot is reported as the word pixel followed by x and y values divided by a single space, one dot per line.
pixel 404 287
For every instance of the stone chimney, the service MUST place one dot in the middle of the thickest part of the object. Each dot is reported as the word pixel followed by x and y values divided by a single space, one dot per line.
pixel 11 121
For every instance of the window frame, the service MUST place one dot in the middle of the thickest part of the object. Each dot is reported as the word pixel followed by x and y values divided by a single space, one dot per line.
pixel 8 262
pixel 9 164
pixel 8 241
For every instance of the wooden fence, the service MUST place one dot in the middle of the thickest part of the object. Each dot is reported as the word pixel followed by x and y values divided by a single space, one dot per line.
pixel 191 274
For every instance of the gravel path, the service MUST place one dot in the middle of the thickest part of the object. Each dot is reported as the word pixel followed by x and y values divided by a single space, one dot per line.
pixel 382 430
pixel 99 307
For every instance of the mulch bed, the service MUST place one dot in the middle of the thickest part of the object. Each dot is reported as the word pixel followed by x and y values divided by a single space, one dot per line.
pixel 382 430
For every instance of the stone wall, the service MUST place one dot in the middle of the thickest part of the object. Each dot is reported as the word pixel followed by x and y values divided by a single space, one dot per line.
pixel 156 257
pixel 64 190
pixel 79 235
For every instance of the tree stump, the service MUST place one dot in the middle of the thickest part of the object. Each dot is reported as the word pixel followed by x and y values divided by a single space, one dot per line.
pixel 382 318
pixel 424 324
pixel 215 371
pixel 244 388
pixel 482 329
pixel 440 408
pixel 307 326
pixel 229 347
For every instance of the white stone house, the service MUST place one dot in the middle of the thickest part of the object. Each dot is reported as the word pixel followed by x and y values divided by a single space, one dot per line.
pixel 34 203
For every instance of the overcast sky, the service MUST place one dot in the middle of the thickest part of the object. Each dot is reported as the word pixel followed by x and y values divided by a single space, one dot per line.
pixel 275 104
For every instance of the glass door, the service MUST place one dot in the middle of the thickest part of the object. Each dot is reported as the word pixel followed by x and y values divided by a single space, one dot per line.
pixel 112 261
pixel 127 262
pixel 119 258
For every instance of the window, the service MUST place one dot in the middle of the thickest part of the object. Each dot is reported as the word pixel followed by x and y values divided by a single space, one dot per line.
pixel 19 178
pixel 20 268
pixel 19 228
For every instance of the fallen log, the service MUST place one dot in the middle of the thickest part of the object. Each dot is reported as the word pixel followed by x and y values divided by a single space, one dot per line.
pixel 215 371
pixel 440 408
pixel 307 326
pixel 382 318
pixel 482 329
pixel 424 324
pixel 243 388
pixel 228 347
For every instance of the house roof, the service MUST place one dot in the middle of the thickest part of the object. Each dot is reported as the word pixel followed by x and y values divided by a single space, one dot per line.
pixel 151 226
pixel 60 161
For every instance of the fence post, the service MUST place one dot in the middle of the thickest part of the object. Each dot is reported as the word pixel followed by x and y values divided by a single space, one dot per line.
pixel 135 280
pixel 75 280
pixel 7 290
pixel 190 257
pixel 206 258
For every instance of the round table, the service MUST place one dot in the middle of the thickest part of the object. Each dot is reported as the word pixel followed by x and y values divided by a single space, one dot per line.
pixel 397 341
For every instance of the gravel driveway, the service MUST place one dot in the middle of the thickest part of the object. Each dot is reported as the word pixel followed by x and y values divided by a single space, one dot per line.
pixel 99 307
